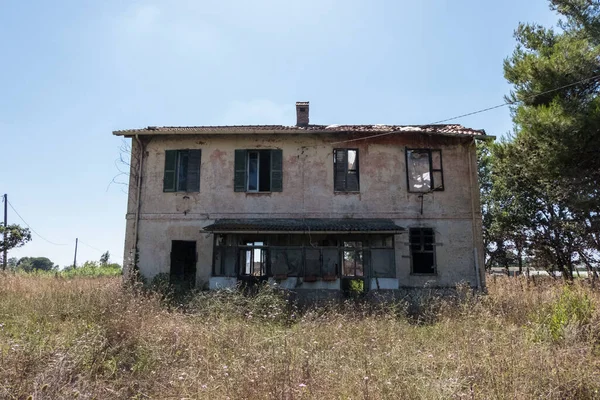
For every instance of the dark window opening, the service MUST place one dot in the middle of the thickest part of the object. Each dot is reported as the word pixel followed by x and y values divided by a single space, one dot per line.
pixel 422 250
pixel 258 171
pixel 424 172
pixel 182 171
pixel 345 170
pixel 183 264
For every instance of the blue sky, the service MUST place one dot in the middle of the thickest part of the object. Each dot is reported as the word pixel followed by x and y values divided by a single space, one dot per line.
pixel 72 71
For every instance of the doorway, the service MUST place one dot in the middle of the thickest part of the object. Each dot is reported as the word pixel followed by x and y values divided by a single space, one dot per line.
pixel 183 264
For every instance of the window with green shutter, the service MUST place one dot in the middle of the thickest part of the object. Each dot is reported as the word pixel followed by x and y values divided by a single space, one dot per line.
pixel 182 170
pixel 258 171
pixel 345 170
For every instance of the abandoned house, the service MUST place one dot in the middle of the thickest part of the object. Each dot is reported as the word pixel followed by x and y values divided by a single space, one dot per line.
pixel 314 208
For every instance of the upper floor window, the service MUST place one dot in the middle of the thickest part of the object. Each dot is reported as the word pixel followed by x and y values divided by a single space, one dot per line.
pixel 424 170
pixel 422 251
pixel 182 171
pixel 258 171
pixel 345 170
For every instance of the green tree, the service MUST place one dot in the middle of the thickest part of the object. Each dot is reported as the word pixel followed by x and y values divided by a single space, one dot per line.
pixel 551 167
pixel 13 236
pixel 105 258
pixel 30 264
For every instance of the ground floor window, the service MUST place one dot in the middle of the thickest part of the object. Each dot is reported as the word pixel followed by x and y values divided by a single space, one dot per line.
pixel 422 250
pixel 311 257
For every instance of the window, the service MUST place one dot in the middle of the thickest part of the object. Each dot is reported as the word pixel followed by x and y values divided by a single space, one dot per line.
pixel 258 171
pixel 182 171
pixel 345 170
pixel 424 170
pixel 422 251
pixel 353 264
pixel 253 259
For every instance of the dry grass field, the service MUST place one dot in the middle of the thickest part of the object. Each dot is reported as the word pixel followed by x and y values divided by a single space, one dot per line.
pixel 92 338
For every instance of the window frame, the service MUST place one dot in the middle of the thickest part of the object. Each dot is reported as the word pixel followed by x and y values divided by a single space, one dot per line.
pixel 357 169
pixel 242 166
pixel 429 152
pixel 422 250
pixel 189 174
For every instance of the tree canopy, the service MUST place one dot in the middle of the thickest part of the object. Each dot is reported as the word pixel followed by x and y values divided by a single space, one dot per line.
pixel 13 236
pixel 543 196
pixel 30 264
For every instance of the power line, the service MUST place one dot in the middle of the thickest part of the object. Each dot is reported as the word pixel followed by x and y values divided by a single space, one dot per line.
pixel 90 246
pixel 33 230
pixel 508 103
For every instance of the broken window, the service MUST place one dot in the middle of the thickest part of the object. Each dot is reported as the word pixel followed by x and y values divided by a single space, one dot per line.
pixel 182 171
pixel 345 170
pixel 424 170
pixel 320 257
pixel 258 171
pixel 253 259
pixel 353 259
pixel 383 256
pixel 422 250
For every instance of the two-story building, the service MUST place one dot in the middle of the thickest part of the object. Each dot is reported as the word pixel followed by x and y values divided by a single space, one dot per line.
pixel 331 208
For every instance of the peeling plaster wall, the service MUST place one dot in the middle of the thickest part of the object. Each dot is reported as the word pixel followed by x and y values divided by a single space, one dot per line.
pixel 308 192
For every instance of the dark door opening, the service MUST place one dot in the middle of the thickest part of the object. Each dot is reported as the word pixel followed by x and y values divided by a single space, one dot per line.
pixel 353 282
pixel 252 268
pixel 183 264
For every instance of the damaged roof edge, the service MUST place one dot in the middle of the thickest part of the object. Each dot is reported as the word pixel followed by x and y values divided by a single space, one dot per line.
pixel 426 130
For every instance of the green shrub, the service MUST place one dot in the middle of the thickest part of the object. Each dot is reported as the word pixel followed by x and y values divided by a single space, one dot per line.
pixel 572 309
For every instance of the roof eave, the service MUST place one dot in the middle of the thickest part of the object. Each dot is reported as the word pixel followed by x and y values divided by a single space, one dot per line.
pixel 131 133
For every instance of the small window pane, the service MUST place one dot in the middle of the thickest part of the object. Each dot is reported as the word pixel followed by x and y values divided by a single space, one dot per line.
pixel 351 160
pixel 182 171
pixel 360 265
pixel 438 182
pixel 330 262
pixel 313 262
pixel 348 267
pixel 383 262
pixel 436 159
pixel 252 172
pixel 423 263
pixel 419 179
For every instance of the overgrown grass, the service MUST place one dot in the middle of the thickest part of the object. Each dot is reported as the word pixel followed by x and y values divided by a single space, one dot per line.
pixel 93 338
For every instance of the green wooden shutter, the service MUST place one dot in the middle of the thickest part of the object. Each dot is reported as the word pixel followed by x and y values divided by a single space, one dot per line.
pixel 170 171
pixel 193 171
pixel 340 168
pixel 276 171
pixel 239 177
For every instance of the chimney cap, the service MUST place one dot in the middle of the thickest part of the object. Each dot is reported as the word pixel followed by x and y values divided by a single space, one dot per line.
pixel 302 103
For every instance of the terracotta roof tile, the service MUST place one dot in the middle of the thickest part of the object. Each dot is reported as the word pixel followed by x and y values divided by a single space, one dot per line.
pixel 447 129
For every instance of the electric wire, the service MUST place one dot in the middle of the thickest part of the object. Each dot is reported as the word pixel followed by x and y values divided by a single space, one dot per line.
pixel 507 103
pixel 33 230
pixel 90 246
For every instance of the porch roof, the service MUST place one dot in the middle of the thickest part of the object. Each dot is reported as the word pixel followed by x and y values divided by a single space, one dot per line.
pixel 305 225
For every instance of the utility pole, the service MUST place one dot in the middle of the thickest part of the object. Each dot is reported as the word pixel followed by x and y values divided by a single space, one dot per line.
pixel 75 258
pixel 4 260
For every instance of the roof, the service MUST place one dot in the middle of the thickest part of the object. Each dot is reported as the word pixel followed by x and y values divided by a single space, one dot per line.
pixel 446 129
pixel 304 225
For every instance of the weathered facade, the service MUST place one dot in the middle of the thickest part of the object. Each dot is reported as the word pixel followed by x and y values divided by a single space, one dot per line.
pixel 316 208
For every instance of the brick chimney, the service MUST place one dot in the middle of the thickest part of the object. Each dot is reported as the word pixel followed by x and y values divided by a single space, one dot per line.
pixel 302 113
